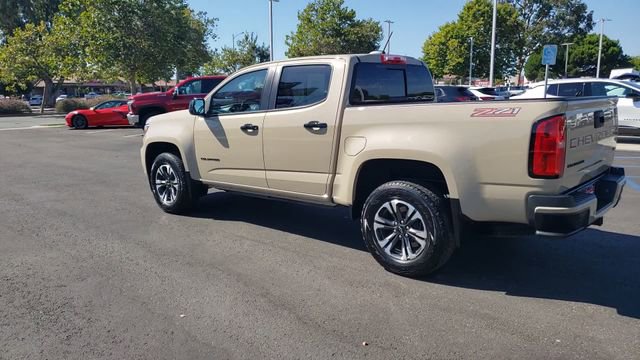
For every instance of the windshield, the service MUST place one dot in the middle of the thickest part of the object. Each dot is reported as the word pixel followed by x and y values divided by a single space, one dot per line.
pixel 632 84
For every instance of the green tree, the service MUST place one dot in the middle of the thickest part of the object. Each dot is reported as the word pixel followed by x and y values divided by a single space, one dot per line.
pixel 548 22
pixel 15 14
pixel 36 52
pixel 329 27
pixel 635 62
pixel 246 52
pixel 447 50
pixel 583 59
pixel 141 41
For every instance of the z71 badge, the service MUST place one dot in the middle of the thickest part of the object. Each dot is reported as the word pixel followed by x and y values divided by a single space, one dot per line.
pixel 495 112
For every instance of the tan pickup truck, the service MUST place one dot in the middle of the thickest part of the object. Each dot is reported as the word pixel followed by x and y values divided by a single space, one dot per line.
pixel 365 131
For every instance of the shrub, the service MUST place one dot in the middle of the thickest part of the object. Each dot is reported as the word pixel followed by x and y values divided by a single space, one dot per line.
pixel 68 105
pixel 9 106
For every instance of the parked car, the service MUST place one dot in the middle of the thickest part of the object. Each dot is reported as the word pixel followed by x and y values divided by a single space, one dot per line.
pixel 111 112
pixel 35 100
pixel 418 174
pixel 486 93
pixel 627 92
pixel 91 95
pixel 144 106
pixel 453 93
pixel 61 97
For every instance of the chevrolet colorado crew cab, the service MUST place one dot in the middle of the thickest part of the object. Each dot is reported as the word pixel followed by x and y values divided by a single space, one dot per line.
pixel 365 131
pixel 144 106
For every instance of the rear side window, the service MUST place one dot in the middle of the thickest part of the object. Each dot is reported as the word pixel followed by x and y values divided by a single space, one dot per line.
pixel 303 85
pixel 571 90
pixel 375 83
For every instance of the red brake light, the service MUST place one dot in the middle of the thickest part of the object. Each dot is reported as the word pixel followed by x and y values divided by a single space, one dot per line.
pixel 463 98
pixel 548 148
pixel 393 59
pixel 486 98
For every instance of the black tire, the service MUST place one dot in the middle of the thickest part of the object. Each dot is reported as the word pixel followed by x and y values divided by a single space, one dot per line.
pixel 145 116
pixel 183 199
pixel 434 216
pixel 79 122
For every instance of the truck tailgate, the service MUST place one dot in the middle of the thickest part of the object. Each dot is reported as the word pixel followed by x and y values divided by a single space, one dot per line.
pixel 591 128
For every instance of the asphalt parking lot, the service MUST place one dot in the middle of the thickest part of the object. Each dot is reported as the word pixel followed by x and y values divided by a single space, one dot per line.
pixel 91 268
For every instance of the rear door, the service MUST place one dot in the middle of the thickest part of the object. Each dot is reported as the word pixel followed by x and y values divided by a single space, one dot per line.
pixel 299 130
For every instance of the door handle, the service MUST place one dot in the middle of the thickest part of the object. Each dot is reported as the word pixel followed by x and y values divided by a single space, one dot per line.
pixel 315 125
pixel 249 127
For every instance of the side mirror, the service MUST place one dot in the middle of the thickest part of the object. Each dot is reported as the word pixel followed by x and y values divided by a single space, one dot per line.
pixel 175 93
pixel 196 107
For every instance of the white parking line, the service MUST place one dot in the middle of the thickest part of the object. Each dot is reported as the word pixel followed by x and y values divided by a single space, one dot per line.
pixel 33 127
pixel 133 135
pixel 99 131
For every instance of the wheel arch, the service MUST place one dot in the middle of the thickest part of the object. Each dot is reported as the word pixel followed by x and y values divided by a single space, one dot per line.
pixel 152 150
pixel 375 172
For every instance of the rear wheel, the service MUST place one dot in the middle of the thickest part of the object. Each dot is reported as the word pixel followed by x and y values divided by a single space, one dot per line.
pixel 79 122
pixel 407 228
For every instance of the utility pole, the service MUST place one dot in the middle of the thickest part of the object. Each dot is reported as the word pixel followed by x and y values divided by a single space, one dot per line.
pixel 493 42
pixel 389 22
pixel 600 46
pixel 471 61
pixel 566 58
pixel 271 28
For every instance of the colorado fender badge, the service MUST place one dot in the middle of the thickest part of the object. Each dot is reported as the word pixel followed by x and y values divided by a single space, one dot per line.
pixel 495 112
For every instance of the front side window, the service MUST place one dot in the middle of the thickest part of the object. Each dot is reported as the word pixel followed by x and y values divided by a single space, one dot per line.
pixel 242 94
pixel 386 83
pixel 617 90
pixel 108 105
pixel 303 85
pixel 193 87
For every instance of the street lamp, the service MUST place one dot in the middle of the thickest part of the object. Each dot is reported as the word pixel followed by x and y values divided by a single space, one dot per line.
pixel 470 60
pixel 271 28
pixel 233 36
pixel 493 42
pixel 600 46
pixel 389 22
pixel 566 58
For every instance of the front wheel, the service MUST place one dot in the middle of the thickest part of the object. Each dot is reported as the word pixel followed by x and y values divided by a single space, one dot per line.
pixel 79 122
pixel 406 227
pixel 170 184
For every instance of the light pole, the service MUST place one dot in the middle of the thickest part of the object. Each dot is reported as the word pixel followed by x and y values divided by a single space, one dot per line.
pixel 271 28
pixel 470 61
pixel 566 58
pixel 493 42
pixel 233 37
pixel 389 22
pixel 600 46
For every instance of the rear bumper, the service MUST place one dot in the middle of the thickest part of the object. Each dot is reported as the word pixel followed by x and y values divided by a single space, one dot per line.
pixel 575 210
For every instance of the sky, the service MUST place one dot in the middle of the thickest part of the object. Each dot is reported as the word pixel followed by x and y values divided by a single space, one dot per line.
pixel 414 20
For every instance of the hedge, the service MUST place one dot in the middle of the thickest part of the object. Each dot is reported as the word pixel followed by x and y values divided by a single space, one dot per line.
pixel 10 106
pixel 68 105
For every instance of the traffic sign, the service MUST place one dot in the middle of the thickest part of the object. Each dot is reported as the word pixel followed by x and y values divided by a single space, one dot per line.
pixel 549 53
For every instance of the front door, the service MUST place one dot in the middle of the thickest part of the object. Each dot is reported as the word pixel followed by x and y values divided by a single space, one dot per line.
pixel 299 131
pixel 228 139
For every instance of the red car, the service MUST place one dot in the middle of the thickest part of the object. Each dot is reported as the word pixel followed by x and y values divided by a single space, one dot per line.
pixel 110 112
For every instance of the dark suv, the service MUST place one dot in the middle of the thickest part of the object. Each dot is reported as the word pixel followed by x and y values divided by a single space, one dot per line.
pixel 452 93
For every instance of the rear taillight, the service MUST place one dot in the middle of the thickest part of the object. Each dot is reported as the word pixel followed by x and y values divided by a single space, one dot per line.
pixel 548 148
pixel 486 98
pixel 463 98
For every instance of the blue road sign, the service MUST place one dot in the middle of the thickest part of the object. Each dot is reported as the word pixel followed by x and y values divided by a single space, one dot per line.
pixel 549 53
